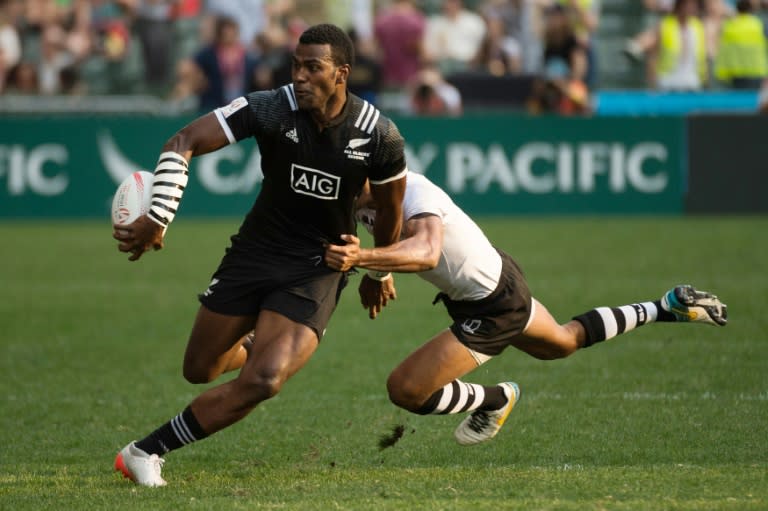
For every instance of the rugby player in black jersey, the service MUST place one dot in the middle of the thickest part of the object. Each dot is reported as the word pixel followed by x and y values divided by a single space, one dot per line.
pixel 319 144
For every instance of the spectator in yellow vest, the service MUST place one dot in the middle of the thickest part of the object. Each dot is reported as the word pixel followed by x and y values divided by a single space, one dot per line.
pixel 585 19
pixel 741 60
pixel 678 60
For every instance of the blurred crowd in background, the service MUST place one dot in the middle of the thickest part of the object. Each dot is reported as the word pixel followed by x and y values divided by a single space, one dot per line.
pixel 203 53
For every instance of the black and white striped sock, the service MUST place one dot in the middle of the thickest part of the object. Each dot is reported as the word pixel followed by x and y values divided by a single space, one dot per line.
pixel 177 432
pixel 604 323
pixel 458 397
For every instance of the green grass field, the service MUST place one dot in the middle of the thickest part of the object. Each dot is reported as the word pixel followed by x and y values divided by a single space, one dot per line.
pixel 667 417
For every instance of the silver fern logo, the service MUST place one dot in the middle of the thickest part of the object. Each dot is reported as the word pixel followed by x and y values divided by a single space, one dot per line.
pixel 357 142
pixel 351 149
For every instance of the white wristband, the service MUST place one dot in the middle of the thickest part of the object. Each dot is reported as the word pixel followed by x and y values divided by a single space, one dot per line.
pixel 381 276
pixel 171 176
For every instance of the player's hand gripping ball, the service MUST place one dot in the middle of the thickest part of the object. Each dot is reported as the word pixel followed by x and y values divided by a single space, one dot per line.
pixel 132 198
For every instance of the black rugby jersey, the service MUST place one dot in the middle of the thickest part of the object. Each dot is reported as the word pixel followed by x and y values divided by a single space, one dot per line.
pixel 311 177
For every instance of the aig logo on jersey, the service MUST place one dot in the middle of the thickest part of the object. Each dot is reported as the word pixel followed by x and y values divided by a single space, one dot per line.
pixel 315 183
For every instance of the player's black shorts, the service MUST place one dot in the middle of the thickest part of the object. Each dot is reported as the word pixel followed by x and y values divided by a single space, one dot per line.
pixel 488 325
pixel 248 281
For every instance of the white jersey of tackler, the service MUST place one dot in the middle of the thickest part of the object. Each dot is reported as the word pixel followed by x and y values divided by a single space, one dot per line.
pixel 469 266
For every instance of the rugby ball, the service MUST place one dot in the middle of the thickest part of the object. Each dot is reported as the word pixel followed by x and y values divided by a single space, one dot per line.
pixel 132 198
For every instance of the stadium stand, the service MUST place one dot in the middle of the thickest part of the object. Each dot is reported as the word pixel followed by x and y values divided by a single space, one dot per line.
pixel 110 74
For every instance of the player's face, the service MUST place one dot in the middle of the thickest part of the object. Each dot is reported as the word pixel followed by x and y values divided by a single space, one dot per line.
pixel 315 77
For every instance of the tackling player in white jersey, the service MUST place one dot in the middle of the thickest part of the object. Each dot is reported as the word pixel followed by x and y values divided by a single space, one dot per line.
pixel 488 299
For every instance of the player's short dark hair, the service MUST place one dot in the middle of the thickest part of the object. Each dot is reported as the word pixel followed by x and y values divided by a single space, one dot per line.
pixel 342 49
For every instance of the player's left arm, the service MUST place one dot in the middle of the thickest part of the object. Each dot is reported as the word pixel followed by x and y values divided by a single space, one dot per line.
pixel 388 197
pixel 377 288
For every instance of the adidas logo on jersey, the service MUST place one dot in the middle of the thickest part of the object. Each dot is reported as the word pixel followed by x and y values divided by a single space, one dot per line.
pixel 293 135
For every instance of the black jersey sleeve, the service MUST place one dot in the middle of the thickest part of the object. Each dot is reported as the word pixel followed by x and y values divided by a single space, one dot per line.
pixel 255 114
pixel 389 162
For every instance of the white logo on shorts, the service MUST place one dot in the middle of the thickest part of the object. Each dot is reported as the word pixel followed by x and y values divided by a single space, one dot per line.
pixel 471 325
pixel 209 291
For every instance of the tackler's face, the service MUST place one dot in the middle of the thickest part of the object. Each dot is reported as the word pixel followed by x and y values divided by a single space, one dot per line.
pixel 316 78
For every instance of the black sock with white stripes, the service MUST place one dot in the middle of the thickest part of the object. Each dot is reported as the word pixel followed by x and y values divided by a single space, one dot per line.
pixel 457 397
pixel 604 323
pixel 177 432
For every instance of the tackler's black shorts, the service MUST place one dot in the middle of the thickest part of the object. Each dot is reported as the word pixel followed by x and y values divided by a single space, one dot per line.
pixel 488 325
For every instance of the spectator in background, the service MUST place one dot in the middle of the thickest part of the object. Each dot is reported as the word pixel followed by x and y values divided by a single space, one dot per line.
pixel 432 95
pixel 501 53
pixel 399 33
pixel 563 88
pixel 54 58
pixel 637 47
pixel 584 16
pixel 78 24
pixel 39 13
pixel 357 16
pixel 251 16
pixel 227 69
pixel 10 42
pixel 453 38
pixel 23 79
pixel 154 27
pixel 110 28
pixel 183 9
pixel 741 61
pixel 565 55
pixel 678 59
pixel 365 77
pixel 276 45
pixel 274 50
pixel 713 14
pixel 188 81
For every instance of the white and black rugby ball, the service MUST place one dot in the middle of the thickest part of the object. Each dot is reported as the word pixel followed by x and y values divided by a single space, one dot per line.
pixel 132 198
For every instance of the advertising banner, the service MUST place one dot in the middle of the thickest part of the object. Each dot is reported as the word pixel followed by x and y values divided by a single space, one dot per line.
pixel 70 166
pixel 521 164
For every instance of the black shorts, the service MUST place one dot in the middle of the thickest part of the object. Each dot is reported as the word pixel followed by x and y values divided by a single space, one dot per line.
pixel 488 325
pixel 248 281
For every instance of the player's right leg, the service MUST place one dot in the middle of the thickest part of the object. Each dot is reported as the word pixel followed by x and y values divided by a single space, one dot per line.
pixel 281 347
pixel 545 338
